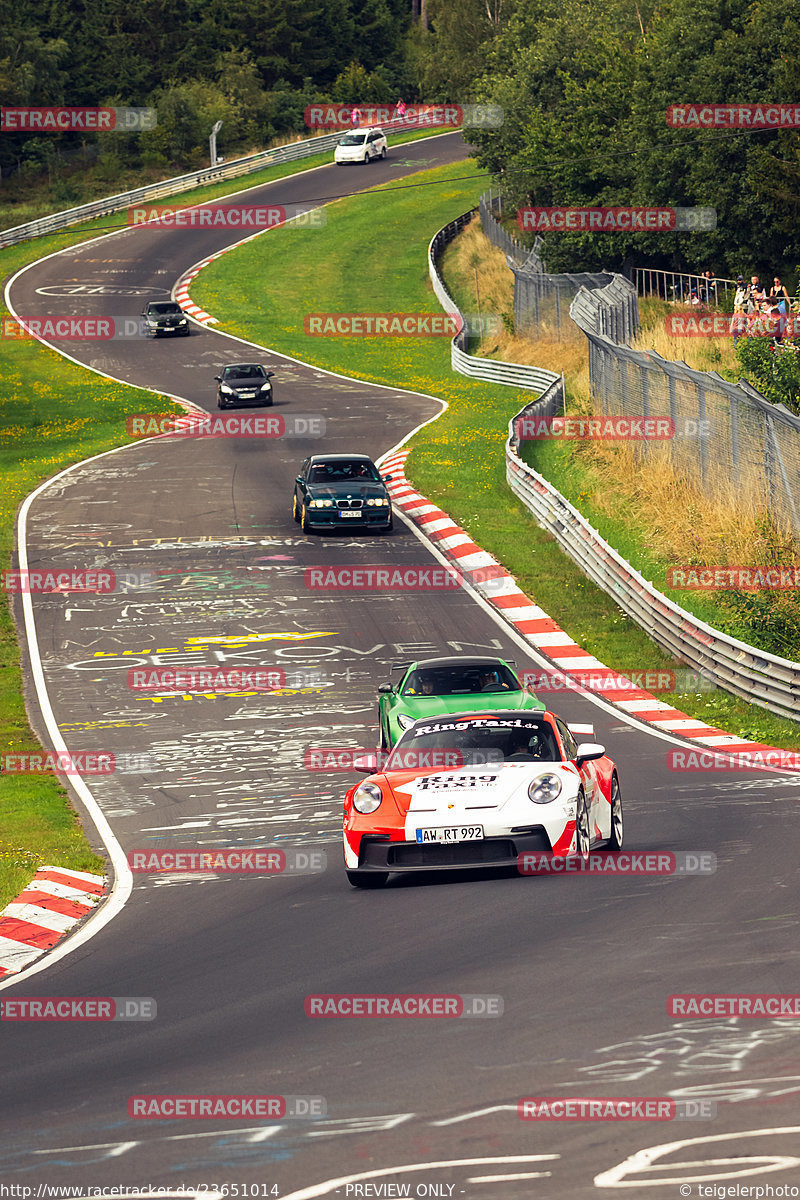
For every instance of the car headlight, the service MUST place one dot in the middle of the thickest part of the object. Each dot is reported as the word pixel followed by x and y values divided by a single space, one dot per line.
pixel 266 387
pixel 223 387
pixel 367 797
pixel 403 720
pixel 182 321
pixel 378 501
pixel 544 789
pixel 321 504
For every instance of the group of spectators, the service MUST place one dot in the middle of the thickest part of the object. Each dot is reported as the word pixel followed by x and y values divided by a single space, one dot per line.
pixel 758 311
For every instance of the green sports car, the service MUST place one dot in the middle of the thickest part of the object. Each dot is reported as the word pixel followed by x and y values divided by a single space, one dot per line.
pixel 432 687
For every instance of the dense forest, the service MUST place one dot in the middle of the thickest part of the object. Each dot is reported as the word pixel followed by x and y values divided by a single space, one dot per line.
pixel 584 85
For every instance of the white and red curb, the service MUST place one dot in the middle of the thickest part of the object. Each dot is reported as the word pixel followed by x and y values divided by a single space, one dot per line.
pixel 503 592
pixel 53 903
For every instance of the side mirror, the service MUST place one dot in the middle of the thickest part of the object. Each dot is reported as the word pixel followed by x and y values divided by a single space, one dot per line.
pixel 367 764
pixel 218 378
pixel 270 374
pixel 385 687
pixel 581 730
pixel 386 478
pixel 299 479
pixel 588 751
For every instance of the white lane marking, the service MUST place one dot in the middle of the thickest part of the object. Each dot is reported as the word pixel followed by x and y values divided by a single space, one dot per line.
pixel 505 1178
pixel 643 1160
pixel 330 1185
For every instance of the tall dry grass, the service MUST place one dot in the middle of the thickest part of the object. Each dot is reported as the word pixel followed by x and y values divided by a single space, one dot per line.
pixel 679 521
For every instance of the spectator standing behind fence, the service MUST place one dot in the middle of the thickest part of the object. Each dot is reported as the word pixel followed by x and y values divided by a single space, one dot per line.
pixel 400 109
pixel 757 293
pixel 779 303
pixel 355 118
pixel 741 305
pixel 706 288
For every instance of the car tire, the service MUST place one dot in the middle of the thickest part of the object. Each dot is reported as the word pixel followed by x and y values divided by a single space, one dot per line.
pixel 367 879
pixel 366 159
pixel 268 403
pixel 385 743
pixel 295 508
pixel 583 831
pixel 304 521
pixel 615 840
pixel 388 528
pixel 383 152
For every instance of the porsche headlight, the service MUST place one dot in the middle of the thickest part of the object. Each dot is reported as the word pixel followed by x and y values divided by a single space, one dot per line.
pixel 367 797
pixel 403 720
pixel 544 789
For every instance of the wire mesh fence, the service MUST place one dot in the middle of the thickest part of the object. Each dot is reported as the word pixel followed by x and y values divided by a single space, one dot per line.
pixel 733 443
pixel 726 437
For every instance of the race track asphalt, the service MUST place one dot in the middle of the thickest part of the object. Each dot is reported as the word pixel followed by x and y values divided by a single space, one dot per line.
pixel 584 965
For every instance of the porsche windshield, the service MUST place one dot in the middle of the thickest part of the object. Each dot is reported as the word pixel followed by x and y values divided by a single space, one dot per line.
pixel 513 739
pixel 460 681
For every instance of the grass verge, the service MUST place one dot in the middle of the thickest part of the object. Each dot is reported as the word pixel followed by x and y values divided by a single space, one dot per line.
pixel 458 461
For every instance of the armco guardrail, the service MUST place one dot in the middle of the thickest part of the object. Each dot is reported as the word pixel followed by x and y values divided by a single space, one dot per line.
pixel 181 183
pixel 535 379
pixel 755 675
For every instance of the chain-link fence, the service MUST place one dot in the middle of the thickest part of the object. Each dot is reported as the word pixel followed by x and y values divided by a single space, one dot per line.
pixel 541 301
pixel 727 437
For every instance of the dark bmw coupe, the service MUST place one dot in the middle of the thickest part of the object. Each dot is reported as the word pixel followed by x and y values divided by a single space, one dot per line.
pixel 334 491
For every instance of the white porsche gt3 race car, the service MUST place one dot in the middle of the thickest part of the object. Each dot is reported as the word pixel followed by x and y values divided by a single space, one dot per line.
pixel 480 790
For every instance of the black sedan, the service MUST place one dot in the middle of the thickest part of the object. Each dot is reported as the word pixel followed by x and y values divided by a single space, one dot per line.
pixel 334 491
pixel 245 384
pixel 165 317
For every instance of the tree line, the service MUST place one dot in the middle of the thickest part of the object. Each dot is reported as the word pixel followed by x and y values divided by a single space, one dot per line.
pixel 584 86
